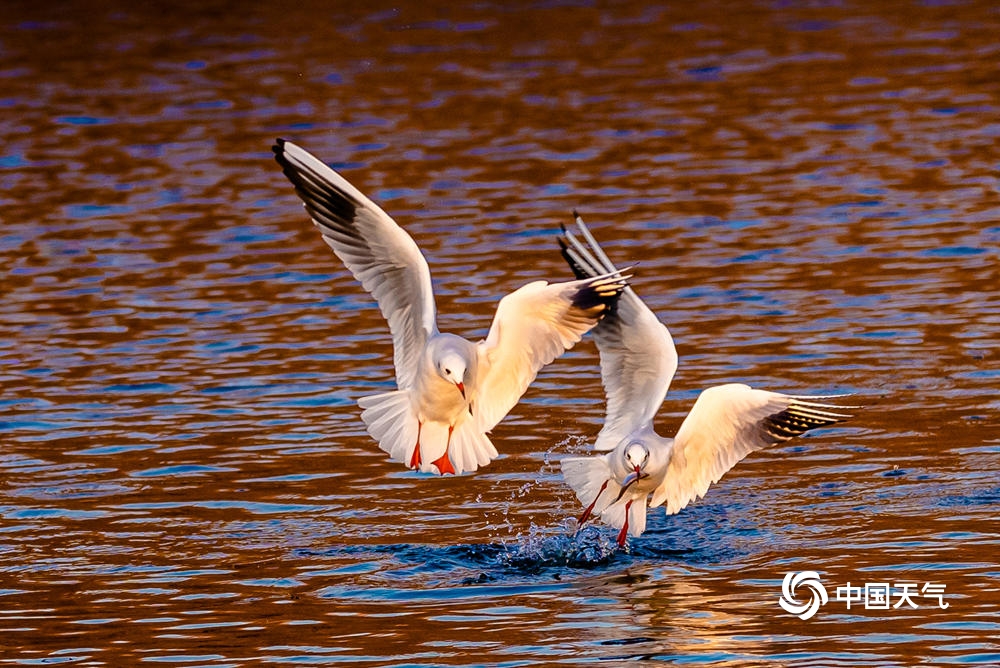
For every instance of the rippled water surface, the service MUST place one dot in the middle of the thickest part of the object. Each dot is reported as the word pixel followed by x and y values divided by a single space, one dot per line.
pixel 810 191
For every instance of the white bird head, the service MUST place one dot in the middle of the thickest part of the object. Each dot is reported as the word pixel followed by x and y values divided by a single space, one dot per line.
pixel 636 456
pixel 453 368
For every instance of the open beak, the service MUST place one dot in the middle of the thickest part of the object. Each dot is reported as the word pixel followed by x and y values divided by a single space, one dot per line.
pixel 461 388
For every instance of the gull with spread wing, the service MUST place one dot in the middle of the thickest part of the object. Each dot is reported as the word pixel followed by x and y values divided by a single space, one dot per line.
pixel 451 391
pixel 638 361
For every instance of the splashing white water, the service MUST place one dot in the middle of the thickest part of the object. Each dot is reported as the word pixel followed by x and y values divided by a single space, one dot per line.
pixel 541 548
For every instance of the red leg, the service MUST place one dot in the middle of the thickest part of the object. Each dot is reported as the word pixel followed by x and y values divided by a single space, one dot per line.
pixel 590 508
pixel 623 534
pixel 415 458
pixel 443 462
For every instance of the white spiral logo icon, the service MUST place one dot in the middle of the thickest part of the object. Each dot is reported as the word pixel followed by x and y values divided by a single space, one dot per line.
pixel 808 579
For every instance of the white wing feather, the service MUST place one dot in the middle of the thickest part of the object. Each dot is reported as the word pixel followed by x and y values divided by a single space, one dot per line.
pixel 638 357
pixel 380 254
pixel 727 423
pixel 533 325
pixel 638 361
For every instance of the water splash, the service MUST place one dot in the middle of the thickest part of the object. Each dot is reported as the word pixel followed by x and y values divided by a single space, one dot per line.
pixel 573 444
pixel 590 547
pixel 549 476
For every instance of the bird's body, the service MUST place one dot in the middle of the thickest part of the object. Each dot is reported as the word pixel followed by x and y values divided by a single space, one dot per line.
pixel 611 484
pixel 450 391
pixel 641 468
pixel 437 406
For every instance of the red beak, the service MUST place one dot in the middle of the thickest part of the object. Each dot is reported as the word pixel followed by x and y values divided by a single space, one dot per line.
pixel 461 388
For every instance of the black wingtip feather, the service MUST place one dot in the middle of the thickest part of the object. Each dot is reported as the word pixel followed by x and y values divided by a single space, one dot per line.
pixel 600 292
pixel 279 156
pixel 278 149
pixel 578 270
pixel 324 201
pixel 794 421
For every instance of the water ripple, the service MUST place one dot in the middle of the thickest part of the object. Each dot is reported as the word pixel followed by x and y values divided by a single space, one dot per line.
pixel 809 196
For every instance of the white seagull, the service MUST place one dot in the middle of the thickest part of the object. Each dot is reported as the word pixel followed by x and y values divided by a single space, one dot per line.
pixel 451 390
pixel 638 361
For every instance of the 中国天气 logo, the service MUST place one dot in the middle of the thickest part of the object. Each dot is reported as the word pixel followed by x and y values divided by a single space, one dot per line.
pixel 872 595
pixel 806 579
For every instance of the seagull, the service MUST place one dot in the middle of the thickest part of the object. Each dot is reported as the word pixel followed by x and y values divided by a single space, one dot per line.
pixel 643 469
pixel 451 391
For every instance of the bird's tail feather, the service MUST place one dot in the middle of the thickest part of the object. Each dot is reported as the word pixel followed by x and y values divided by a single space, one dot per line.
pixel 470 448
pixel 392 422
pixel 587 477
pixel 615 515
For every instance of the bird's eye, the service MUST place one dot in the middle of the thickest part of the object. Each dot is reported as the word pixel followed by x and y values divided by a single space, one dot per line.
pixel 448 371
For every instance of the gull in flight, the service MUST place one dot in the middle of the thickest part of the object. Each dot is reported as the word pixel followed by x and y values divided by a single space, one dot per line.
pixel 638 361
pixel 451 391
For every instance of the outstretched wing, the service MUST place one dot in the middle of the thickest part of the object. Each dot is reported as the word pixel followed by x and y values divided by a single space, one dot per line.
pixel 380 254
pixel 638 357
pixel 727 423
pixel 533 325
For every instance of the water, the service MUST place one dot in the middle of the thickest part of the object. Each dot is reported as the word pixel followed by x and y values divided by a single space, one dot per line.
pixel 810 193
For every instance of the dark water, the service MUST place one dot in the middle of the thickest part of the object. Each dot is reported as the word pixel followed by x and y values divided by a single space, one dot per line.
pixel 811 193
